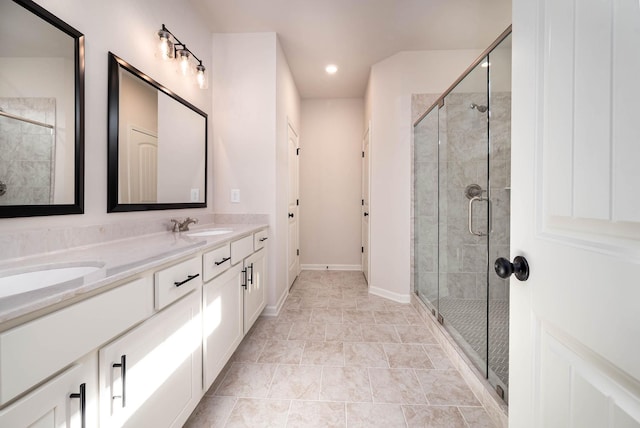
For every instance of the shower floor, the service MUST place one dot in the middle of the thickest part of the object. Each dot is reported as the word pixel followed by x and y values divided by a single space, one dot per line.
pixel 468 318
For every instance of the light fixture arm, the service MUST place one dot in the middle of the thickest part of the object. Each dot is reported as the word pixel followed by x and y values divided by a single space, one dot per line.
pixel 179 43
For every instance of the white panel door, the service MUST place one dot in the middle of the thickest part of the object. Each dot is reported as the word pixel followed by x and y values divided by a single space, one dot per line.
pixel 575 324
pixel 143 166
pixel 365 205
pixel 293 247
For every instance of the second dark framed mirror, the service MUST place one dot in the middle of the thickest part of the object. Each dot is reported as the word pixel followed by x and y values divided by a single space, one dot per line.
pixel 157 145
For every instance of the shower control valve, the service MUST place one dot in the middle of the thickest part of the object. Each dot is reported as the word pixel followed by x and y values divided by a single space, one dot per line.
pixel 520 267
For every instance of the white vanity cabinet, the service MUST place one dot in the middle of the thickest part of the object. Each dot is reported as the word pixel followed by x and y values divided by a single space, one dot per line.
pixel 151 376
pixel 254 293
pixel 222 320
pixel 69 400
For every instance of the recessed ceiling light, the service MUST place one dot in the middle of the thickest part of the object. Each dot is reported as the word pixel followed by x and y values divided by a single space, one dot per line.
pixel 331 69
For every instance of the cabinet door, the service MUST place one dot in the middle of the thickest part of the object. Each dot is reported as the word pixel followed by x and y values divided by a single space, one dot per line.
pixel 222 320
pixel 254 293
pixel 151 376
pixel 57 403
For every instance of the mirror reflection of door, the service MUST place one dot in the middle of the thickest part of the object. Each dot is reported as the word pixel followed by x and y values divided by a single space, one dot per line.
pixel 143 166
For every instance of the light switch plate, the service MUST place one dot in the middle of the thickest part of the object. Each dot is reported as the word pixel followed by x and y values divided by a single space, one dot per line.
pixel 235 196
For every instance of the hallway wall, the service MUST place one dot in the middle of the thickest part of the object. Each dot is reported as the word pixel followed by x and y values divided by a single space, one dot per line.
pixel 330 183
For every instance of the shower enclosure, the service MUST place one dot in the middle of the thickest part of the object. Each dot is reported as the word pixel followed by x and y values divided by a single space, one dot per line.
pixel 462 151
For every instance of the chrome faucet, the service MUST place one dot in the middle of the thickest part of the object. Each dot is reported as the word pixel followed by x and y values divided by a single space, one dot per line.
pixel 183 226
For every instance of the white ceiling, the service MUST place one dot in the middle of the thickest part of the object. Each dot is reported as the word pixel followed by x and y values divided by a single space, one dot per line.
pixel 355 34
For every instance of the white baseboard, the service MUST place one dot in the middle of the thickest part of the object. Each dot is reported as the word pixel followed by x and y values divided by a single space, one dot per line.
pixel 274 310
pixel 332 267
pixel 396 297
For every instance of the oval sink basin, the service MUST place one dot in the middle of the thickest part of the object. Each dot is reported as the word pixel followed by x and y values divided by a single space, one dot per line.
pixel 209 232
pixel 40 277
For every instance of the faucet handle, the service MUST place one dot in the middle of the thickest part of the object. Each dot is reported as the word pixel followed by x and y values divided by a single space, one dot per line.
pixel 176 225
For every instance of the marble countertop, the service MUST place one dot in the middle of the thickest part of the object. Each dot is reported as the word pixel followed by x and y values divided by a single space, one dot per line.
pixel 117 260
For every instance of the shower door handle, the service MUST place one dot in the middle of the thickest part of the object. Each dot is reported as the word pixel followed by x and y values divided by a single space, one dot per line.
pixel 471 202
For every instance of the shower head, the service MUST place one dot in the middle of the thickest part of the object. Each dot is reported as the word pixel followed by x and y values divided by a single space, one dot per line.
pixel 480 108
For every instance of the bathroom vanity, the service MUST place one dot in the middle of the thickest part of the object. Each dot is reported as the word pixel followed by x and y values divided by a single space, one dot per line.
pixel 138 340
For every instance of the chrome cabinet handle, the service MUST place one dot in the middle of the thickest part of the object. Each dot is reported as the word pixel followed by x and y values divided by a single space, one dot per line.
pixel 123 367
pixel 250 279
pixel 263 239
pixel 471 202
pixel 82 395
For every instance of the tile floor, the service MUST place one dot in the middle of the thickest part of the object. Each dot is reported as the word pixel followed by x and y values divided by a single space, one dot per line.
pixel 338 357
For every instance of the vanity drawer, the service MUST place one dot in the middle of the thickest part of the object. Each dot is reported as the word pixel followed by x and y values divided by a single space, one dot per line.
pixel 216 261
pixel 35 350
pixel 176 281
pixel 260 239
pixel 241 248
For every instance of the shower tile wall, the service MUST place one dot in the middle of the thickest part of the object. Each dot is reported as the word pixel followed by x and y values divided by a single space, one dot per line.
pixel 27 151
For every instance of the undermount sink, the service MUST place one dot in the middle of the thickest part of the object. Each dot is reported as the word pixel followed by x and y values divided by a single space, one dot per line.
pixel 209 232
pixel 37 277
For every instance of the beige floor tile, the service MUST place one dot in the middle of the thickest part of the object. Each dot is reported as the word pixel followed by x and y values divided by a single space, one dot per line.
pixel 314 302
pixel 395 386
pixel 282 352
pixel 370 304
pixel 357 317
pixel 247 380
pixel 323 353
pixel 296 382
pixel 344 333
pixel 414 319
pixel 407 356
pixel 386 317
pixel 212 412
pixel 413 334
pixel 342 303
pixel 270 328
pixel 307 331
pixel 365 415
pixel 476 417
pixel 438 357
pixel 365 355
pixel 380 333
pixel 328 315
pixel 316 414
pixel 253 413
pixel 446 387
pixel 249 350
pixel 332 292
pixel 345 384
pixel 295 315
pixel 433 417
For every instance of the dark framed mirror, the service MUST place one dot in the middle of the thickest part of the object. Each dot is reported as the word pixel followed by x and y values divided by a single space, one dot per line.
pixel 41 113
pixel 157 145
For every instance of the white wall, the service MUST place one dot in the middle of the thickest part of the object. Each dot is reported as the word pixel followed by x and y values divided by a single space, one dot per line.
pixel 388 107
pixel 127 29
pixel 254 96
pixel 330 182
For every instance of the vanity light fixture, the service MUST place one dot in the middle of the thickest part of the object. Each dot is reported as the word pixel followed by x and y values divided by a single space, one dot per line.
pixel 170 47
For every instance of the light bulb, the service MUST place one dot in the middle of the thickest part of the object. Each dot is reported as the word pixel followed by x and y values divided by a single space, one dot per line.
pixel 201 76
pixel 185 66
pixel 165 46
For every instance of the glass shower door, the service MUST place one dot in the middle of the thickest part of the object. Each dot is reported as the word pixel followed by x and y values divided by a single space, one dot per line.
pixel 463 206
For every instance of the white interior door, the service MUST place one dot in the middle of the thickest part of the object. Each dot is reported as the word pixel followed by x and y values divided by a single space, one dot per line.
pixel 575 324
pixel 143 166
pixel 365 205
pixel 293 252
